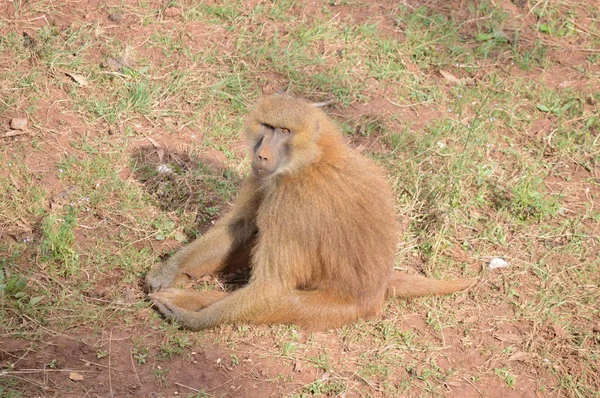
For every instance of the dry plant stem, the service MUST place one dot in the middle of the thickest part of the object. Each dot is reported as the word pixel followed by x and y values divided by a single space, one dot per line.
pixel 476 171
pixel 15 133
pixel 188 387
pixel 109 364
pixel 134 369
pixel 93 363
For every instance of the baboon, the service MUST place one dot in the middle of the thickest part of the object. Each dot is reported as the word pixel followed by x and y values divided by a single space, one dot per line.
pixel 314 223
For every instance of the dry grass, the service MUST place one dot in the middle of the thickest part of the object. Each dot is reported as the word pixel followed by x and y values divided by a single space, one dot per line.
pixel 485 117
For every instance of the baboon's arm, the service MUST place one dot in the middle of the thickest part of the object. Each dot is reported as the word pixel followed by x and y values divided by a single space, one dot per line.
pixel 208 253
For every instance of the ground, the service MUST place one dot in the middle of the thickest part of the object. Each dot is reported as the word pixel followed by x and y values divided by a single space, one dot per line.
pixel 121 141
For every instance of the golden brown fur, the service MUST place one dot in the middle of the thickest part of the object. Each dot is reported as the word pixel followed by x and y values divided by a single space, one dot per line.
pixel 317 230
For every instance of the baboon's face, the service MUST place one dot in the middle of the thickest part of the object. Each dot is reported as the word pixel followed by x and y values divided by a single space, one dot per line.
pixel 271 150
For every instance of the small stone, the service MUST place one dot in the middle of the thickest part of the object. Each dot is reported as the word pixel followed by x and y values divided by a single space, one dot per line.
pixel 18 123
pixel 497 262
pixel 116 16
pixel 164 169
pixel 297 366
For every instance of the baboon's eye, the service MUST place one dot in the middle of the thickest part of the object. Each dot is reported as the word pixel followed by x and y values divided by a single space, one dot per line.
pixel 257 145
pixel 285 131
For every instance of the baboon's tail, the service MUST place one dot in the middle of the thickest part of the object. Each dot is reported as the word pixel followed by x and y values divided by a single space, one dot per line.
pixel 404 285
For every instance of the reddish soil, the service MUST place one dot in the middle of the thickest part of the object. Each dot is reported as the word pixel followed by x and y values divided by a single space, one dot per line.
pixel 68 365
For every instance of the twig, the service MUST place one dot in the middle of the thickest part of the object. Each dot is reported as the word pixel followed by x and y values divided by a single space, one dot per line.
pixel 134 370
pixel 583 29
pixel 92 363
pixel 577 119
pixel 409 105
pixel 371 385
pixel 28 371
pixel 122 76
pixel 29 381
pixel 109 363
pixel 14 133
pixel 473 385
pixel 52 332
pixel 188 387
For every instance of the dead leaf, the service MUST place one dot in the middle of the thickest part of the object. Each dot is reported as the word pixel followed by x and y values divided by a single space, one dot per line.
pixel 214 160
pixel 153 142
pixel 467 81
pixel 15 182
pixel 520 356
pixel 453 384
pixel 24 225
pixel 81 80
pixel 508 338
pixel 450 77
pixel 180 237
pixel 64 193
pixel 75 376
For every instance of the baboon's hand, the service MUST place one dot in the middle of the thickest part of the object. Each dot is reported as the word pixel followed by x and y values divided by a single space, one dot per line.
pixel 163 303
pixel 164 275
pixel 158 278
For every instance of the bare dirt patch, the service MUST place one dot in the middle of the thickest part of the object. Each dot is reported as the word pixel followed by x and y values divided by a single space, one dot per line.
pixel 148 154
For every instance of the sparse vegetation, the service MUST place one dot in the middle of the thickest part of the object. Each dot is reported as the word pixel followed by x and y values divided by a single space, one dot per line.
pixel 485 116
